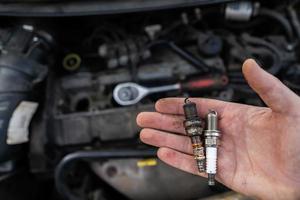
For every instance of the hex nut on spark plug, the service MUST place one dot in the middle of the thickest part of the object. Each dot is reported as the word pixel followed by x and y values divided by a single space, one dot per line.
pixel 194 127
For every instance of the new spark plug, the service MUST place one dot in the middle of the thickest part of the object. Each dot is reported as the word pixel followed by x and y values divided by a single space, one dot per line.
pixel 194 128
pixel 211 145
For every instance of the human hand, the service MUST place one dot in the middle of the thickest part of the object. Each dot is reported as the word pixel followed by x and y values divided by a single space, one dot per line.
pixel 259 153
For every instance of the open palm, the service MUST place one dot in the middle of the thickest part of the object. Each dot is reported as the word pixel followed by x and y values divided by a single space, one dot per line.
pixel 259 154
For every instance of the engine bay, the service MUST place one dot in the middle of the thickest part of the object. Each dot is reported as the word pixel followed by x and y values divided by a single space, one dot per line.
pixel 92 75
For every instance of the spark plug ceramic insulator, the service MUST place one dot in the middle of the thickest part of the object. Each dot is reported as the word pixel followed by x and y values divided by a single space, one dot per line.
pixel 212 135
pixel 194 128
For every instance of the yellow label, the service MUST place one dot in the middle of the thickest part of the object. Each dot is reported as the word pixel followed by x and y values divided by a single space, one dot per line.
pixel 147 163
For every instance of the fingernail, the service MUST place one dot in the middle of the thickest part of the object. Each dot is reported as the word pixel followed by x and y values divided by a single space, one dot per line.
pixel 139 119
pixel 255 62
pixel 144 135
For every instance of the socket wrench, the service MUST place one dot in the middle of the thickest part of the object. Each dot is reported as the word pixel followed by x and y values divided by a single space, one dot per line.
pixel 129 93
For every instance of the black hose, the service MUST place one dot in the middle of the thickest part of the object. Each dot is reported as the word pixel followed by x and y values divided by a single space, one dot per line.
pixel 291 85
pixel 18 75
pixel 279 18
pixel 93 156
pixel 294 20
pixel 277 63
pixel 199 64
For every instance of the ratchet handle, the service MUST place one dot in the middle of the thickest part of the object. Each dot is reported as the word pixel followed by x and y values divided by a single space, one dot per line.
pixel 205 83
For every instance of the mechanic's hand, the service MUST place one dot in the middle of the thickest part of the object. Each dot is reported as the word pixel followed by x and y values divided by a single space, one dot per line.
pixel 259 154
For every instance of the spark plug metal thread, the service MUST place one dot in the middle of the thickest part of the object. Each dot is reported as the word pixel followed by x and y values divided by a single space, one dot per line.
pixel 194 127
pixel 212 135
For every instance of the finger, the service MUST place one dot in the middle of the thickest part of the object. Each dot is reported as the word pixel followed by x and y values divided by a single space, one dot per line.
pixel 274 93
pixel 174 123
pixel 179 160
pixel 163 139
pixel 175 106
pixel 170 123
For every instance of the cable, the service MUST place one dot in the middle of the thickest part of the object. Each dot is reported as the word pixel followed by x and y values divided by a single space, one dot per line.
pixel 93 156
pixel 291 85
pixel 295 20
pixel 199 64
pixel 275 68
pixel 279 18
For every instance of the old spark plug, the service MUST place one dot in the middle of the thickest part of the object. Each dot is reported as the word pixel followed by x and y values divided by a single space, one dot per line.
pixel 194 129
pixel 211 144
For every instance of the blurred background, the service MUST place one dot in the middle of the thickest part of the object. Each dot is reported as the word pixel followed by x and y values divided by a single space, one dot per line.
pixel 74 74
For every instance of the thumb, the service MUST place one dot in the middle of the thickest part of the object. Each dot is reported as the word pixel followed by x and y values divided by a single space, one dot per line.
pixel 273 92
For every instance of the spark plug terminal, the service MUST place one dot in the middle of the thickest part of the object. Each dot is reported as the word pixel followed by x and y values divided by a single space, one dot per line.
pixel 212 135
pixel 194 127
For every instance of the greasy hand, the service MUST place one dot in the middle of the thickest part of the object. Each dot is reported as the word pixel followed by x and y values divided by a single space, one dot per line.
pixel 259 154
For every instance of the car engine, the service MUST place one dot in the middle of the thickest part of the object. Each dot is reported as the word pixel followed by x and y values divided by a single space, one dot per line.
pixel 73 84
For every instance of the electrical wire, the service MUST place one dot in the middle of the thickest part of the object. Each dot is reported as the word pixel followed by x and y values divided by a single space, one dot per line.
pixel 197 63
pixel 294 20
pixel 277 63
pixel 69 159
pixel 280 19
